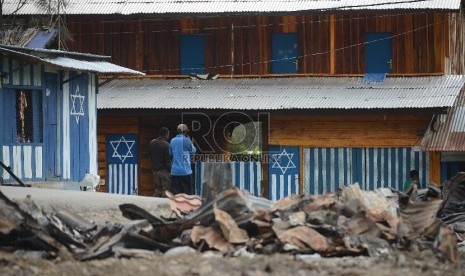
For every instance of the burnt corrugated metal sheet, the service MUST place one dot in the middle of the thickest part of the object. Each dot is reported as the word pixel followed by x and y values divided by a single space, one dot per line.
pixel 281 93
pixel 68 60
pixel 447 131
pixel 223 6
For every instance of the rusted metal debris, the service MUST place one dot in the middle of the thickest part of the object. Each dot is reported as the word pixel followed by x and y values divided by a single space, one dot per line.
pixel 349 222
pixel 452 211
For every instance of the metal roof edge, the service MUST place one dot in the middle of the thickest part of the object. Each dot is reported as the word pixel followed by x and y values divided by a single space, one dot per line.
pixel 41 60
pixel 55 52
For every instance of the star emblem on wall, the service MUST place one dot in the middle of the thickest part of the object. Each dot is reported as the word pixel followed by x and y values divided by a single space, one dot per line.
pixel 122 146
pixel 283 161
pixel 77 114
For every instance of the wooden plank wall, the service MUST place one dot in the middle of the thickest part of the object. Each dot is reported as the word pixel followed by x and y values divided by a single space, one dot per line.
pixel 455 47
pixel 389 130
pixel 329 44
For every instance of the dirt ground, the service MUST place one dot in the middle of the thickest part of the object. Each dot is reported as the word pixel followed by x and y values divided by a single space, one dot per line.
pixel 101 208
pixel 420 263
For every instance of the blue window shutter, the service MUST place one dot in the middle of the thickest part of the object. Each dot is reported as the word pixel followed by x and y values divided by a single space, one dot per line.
pixel 192 54
pixel 284 53
pixel 378 52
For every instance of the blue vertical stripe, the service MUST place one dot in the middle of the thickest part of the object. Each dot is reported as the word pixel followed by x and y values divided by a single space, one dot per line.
pixel 359 172
pixel 385 169
pixel 320 175
pixel 336 168
pixel 312 172
pixel 328 172
pixel 346 169
pixel 198 177
pixel 410 164
pixel 237 174
pixel 247 175
pixel 370 165
pixel 255 180
pixel 400 160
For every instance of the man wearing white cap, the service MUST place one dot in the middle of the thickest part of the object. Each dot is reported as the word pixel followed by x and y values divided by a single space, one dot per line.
pixel 181 148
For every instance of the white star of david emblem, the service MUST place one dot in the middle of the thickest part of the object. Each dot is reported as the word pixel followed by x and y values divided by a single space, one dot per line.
pixel 77 114
pixel 127 146
pixel 283 161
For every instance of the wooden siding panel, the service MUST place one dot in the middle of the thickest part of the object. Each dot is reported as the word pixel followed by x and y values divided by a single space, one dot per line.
pixel 435 167
pixel 151 44
pixel 408 46
pixel 347 131
pixel 438 46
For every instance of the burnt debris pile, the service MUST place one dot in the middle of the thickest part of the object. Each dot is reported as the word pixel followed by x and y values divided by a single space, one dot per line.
pixel 349 222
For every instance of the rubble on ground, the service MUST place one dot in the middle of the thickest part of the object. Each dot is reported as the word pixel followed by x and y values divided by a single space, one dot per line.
pixel 350 222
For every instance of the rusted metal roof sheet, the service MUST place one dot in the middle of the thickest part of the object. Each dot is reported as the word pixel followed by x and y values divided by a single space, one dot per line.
pixel 226 6
pixel 447 131
pixel 68 60
pixel 281 93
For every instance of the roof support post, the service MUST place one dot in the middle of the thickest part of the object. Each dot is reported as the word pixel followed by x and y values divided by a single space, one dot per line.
pixel 332 54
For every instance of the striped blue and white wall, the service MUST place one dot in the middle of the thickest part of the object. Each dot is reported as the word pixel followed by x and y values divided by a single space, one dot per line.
pixel 327 169
pixel 245 176
pixel 25 162
pixel 122 179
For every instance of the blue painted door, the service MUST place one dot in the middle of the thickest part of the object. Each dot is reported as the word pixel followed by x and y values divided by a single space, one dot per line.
pixel 192 54
pixel 50 125
pixel 122 160
pixel 284 53
pixel 284 167
pixel 327 169
pixel 79 127
pixel 378 52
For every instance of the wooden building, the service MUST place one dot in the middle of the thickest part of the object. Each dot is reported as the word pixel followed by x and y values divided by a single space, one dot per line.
pixel 344 91
pixel 49 113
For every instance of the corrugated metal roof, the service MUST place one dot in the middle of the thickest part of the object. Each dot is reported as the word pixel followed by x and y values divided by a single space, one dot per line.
pixel 227 6
pixel 68 60
pixel 280 93
pixel 103 67
pixel 447 131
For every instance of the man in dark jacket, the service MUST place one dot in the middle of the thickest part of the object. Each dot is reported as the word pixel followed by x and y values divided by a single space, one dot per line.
pixel 161 162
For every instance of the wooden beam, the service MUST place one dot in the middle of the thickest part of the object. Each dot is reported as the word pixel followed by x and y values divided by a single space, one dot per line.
pixel 332 55
pixel 435 167
pixel 301 169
